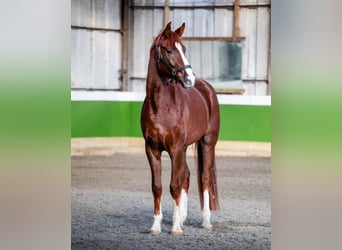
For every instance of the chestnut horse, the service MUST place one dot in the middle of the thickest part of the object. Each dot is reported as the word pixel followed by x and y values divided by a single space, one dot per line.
pixel 179 109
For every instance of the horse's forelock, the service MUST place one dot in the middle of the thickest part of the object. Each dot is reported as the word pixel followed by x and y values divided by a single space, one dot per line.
pixel 173 39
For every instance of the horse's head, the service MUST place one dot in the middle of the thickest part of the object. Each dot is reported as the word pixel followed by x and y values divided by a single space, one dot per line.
pixel 171 60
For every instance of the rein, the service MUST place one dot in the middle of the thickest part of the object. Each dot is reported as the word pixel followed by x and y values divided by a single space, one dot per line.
pixel 172 70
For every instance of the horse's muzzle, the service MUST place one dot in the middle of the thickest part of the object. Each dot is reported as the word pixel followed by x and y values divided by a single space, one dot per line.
pixel 187 81
pixel 188 84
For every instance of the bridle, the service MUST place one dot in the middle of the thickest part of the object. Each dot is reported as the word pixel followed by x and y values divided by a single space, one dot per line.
pixel 173 72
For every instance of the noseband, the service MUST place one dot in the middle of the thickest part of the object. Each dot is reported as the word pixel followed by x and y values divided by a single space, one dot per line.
pixel 173 72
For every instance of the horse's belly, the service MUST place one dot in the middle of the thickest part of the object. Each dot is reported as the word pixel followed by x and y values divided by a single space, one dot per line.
pixel 195 133
pixel 197 123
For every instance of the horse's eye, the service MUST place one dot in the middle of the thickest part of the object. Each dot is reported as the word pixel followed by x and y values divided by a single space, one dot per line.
pixel 169 51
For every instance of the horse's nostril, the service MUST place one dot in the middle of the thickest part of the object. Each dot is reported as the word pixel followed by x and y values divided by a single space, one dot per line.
pixel 187 83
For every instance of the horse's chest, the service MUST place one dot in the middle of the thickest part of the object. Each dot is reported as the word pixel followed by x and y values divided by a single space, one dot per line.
pixel 167 128
pixel 168 122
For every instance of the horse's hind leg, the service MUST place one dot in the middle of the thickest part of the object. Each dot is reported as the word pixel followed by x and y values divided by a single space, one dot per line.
pixel 179 187
pixel 155 164
pixel 208 185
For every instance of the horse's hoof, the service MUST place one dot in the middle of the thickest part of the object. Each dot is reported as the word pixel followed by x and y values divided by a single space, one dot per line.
pixel 154 232
pixel 176 232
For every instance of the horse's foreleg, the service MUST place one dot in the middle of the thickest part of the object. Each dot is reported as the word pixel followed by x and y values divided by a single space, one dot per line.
pixel 179 190
pixel 155 164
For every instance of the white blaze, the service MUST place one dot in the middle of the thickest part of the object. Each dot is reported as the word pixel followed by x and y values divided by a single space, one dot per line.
pixel 190 75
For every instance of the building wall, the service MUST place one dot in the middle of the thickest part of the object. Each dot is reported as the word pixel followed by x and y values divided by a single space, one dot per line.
pixel 95 44
pixel 204 19
pixel 97 53
pixel 242 118
pixel 97 50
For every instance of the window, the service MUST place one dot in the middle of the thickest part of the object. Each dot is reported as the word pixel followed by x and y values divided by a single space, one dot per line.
pixel 216 61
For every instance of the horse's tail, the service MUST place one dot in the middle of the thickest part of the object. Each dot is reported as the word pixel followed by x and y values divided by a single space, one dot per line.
pixel 213 192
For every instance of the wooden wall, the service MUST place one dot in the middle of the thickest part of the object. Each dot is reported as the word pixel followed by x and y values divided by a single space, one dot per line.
pixel 204 19
pixel 95 44
pixel 97 40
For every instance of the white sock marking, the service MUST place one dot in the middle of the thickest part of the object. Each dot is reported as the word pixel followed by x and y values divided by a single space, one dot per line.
pixel 176 227
pixel 183 205
pixel 180 213
pixel 157 219
pixel 190 73
pixel 206 210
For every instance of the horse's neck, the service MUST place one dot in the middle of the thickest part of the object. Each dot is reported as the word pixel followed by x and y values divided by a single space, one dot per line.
pixel 154 82
pixel 159 93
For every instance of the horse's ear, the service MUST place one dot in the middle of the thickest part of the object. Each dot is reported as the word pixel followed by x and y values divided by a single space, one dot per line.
pixel 180 30
pixel 167 30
